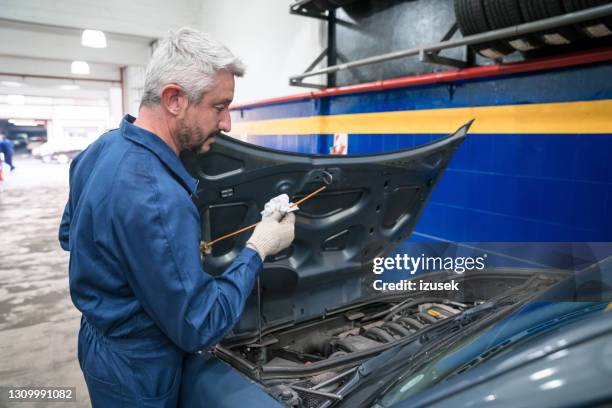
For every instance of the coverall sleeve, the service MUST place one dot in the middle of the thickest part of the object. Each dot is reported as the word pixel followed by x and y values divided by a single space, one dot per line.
pixel 157 228
pixel 64 228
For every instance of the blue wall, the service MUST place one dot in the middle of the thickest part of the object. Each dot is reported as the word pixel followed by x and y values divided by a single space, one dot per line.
pixel 498 187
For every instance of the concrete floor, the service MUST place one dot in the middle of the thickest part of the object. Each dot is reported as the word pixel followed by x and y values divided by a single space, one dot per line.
pixel 38 323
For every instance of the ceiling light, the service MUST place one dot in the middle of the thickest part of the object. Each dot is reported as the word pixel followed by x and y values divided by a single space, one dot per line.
pixel 69 87
pixel 15 99
pixel 18 122
pixel 11 84
pixel 93 38
pixel 79 68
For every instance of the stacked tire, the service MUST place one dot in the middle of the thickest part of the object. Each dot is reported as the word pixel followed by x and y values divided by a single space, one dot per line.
pixel 594 28
pixel 478 16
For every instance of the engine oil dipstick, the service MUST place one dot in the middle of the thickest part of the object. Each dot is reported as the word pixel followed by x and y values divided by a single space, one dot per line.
pixel 206 247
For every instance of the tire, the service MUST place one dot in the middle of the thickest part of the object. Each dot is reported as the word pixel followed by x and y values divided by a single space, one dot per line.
pixel 463 18
pixel 539 10
pixel 507 13
pixel 593 28
pixel 471 19
pixel 464 23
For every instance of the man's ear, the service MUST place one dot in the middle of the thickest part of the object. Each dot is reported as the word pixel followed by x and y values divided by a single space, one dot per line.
pixel 174 99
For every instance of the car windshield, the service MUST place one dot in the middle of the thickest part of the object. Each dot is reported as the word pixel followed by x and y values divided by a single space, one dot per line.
pixel 477 347
pixel 431 373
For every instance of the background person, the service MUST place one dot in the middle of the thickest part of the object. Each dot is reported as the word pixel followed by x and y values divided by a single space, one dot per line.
pixel 6 147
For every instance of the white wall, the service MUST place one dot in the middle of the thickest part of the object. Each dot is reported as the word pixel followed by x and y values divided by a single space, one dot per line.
pixel 133 85
pixel 148 18
pixel 273 43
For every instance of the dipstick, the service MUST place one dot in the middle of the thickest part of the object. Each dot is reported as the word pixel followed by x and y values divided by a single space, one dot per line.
pixel 205 247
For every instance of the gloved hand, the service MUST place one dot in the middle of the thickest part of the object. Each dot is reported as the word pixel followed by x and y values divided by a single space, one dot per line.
pixel 272 234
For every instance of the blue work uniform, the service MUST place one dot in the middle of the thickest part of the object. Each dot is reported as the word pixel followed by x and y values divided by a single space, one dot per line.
pixel 6 147
pixel 133 233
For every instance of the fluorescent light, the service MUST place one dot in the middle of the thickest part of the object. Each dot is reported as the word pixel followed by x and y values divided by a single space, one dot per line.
pixel 79 68
pixel 15 99
pixel 69 87
pixel 93 38
pixel 18 122
pixel 11 84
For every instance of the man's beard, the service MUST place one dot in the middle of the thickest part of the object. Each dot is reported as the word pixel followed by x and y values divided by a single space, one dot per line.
pixel 190 138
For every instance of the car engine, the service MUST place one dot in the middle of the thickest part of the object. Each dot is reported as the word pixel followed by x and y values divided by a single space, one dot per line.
pixel 304 365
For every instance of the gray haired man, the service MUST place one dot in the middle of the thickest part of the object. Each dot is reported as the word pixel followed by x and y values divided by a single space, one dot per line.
pixel 133 233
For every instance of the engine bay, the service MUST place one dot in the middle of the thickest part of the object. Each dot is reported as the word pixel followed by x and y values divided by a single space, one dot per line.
pixel 302 365
pixel 353 332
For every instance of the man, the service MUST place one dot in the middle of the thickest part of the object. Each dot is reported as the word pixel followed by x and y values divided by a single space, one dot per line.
pixel 133 233
pixel 6 147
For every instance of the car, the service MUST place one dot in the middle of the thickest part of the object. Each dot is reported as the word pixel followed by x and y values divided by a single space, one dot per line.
pixel 552 349
pixel 19 140
pixel 35 141
pixel 315 332
pixel 23 141
pixel 61 153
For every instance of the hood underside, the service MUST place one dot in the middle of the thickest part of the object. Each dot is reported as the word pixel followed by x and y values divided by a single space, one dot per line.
pixel 370 204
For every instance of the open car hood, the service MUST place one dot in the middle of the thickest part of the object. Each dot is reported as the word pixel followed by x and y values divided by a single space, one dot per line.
pixel 372 203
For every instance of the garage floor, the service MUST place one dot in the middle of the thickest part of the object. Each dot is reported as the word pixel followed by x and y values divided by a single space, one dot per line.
pixel 38 323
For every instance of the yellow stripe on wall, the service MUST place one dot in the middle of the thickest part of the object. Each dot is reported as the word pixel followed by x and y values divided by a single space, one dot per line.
pixel 555 118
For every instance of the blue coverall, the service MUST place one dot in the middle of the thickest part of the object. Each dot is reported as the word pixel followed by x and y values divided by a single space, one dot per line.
pixel 133 233
pixel 6 147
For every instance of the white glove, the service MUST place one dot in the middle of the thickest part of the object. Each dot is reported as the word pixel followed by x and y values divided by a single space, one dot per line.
pixel 272 234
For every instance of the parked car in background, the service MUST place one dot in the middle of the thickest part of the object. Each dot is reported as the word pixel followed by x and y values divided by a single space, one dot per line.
pixel 25 142
pixel 59 152
pixel 35 141
pixel 20 140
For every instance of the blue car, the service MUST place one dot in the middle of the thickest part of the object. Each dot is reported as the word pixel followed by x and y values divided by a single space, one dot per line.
pixel 317 332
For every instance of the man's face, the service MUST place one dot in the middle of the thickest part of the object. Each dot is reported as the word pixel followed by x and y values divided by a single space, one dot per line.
pixel 202 121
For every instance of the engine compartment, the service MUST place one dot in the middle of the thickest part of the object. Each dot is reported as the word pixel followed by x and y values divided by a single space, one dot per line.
pixel 353 331
pixel 302 365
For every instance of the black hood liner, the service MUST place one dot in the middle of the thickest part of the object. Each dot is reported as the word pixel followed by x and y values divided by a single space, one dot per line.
pixel 373 202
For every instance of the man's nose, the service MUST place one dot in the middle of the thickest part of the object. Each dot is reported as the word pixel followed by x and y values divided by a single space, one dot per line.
pixel 225 124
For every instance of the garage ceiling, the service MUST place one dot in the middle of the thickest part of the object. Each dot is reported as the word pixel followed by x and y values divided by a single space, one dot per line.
pixel 40 39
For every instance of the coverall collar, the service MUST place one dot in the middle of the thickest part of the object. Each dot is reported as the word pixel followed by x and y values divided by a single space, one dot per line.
pixel 156 145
